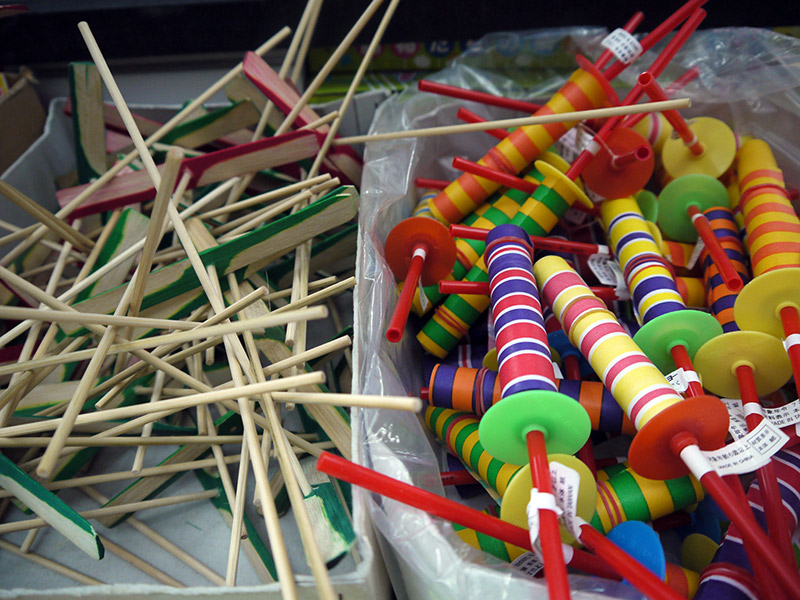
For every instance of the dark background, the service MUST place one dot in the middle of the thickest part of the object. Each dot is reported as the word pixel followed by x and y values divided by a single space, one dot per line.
pixel 127 29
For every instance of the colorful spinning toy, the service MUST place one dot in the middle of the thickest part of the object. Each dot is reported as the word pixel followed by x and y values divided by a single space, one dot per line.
pixel 417 249
pixel 671 431
pixel 670 333
pixel 532 416
pixel 681 216
pixel 746 365
pixel 770 302
pixel 704 145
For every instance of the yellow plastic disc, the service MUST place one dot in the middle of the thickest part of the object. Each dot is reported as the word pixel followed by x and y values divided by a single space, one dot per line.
pixel 548 169
pixel 760 301
pixel 697 551
pixel 718 141
pixel 490 360
pixel 559 163
pixel 518 493
pixel 716 362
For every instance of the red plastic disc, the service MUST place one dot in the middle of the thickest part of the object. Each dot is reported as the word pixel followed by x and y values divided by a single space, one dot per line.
pixel 706 417
pixel 610 182
pixel 410 233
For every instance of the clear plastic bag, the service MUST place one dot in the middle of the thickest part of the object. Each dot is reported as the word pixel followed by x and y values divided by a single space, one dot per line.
pixel 748 77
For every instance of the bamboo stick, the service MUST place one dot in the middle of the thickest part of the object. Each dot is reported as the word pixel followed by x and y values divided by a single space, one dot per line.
pixel 159 539
pixel 595 113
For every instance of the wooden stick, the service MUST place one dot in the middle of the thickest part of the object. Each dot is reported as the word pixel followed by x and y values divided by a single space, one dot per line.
pixel 236 192
pixel 329 291
pixel 35 234
pixel 141 564
pixel 595 113
pixel 138 459
pixel 53 510
pixel 307 35
pixel 109 441
pixel 362 400
pixel 266 197
pixel 57 316
pixel 173 405
pixel 323 73
pixel 146 472
pixel 237 515
pixel 50 564
pixel 45 217
pixel 115 383
pixel 178 337
pixel 253 219
pixel 96 513
pixel 156 228
pixel 317 283
pixel 159 539
pixel 27 543
pixel 45 242
pixel 312 551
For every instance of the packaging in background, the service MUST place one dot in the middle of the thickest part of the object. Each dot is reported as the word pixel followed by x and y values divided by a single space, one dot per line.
pixel 748 77
pixel 21 116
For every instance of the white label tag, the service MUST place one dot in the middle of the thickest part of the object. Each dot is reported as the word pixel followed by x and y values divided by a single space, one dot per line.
pixel 791 340
pixel 566 484
pixel 783 416
pixel 576 217
pixel 623 45
pixel 573 142
pixel 605 269
pixel 677 379
pixel 698 248
pixel 748 453
pixel 737 424
pixel 424 303
pixel 557 371
pixel 529 563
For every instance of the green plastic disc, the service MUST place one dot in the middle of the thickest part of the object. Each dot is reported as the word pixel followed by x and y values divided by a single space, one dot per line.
pixel 565 424
pixel 702 191
pixel 648 204
pixel 718 359
pixel 690 328
pixel 758 306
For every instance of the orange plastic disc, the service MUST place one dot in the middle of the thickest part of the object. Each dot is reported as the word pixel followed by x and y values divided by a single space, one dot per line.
pixel 618 182
pixel 412 233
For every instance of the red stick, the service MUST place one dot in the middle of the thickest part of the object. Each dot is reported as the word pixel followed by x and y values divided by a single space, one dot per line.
pixel 672 89
pixel 682 361
pixel 457 478
pixel 642 153
pixel 505 179
pixel 679 124
pixel 438 506
pixel 791 331
pixel 433 184
pixel 630 27
pixel 658 34
pixel 732 279
pixel 539 242
pixel 398 322
pixel 633 96
pixel 555 571
pixel 777 525
pixel 641 578
pixel 426 85
pixel 470 117
pixel 685 445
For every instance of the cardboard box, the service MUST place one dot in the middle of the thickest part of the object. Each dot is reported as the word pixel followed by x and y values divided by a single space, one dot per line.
pixel 21 117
